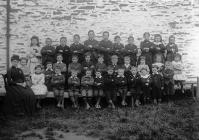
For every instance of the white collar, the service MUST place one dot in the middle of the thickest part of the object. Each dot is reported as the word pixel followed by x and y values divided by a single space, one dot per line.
pixel 127 65
pixel 98 77
pixel 58 74
pixel 146 76
pixel 49 69
pixel 157 43
pixel 59 62
pixel 120 76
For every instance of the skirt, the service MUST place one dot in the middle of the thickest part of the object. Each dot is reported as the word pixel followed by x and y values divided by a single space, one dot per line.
pixel 19 99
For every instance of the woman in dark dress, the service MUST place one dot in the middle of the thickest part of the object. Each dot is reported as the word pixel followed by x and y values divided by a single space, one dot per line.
pixel 19 98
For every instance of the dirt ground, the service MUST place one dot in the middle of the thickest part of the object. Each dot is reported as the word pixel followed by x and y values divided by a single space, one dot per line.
pixel 167 121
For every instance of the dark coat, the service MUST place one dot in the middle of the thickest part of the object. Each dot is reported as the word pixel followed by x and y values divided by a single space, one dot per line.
pixel 48 54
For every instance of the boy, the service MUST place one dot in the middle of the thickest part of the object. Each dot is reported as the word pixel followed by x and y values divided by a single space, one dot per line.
pixel 114 63
pixel 168 74
pixel 48 52
pixel 86 87
pixel 64 50
pixel 121 83
pixel 127 64
pixel 60 64
pixel 132 50
pixel 75 65
pixel 98 87
pixel 57 82
pixel 77 47
pixel 145 81
pixel 109 86
pixel 92 44
pixel 88 64
pixel 118 48
pixel 105 46
pixel 145 47
pixel 101 66
pixel 48 75
pixel 74 85
pixel 157 85
pixel 26 70
pixel 133 86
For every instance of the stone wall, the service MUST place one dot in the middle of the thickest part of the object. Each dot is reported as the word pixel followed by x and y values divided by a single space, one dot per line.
pixel 56 18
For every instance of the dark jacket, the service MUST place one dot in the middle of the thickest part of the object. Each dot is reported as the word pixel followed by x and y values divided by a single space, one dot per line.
pixel 48 54
pixel 65 51
pixel 58 81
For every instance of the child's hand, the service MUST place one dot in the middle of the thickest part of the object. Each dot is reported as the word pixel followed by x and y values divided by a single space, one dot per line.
pixel 162 88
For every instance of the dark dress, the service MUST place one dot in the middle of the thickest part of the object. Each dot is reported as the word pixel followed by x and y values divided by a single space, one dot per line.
pixel 18 99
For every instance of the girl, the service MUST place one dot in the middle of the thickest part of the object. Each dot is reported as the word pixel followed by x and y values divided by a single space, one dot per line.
pixel 34 53
pixel 168 74
pixel 179 76
pixel 143 65
pixel 158 48
pixel 38 86
pixel 48 52
pixel 26 70
pixel 132 50
pixel 171 48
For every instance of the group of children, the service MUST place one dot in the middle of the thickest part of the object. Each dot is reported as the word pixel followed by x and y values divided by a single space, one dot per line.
pixel 103 68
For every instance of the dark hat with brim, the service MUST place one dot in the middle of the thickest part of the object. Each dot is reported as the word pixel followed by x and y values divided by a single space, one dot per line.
pixel 15 57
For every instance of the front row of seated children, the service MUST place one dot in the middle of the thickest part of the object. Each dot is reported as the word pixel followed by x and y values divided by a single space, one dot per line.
pixel 98 80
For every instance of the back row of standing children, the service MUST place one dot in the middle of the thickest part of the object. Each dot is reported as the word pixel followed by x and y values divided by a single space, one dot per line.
pixel 105 68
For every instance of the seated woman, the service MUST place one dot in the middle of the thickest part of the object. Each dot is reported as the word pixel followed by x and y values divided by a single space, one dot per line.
pixel 19 99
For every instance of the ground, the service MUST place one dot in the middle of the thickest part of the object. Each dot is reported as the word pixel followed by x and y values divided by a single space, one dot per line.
pixel 167 121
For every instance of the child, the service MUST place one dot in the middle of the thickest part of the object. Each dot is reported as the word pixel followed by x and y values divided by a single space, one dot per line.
pixel 34 53
pixel 77 47
pixel 158 63
pixel 171 48
pixel 127 64
pixel 142 64
pixel 92 44
pixel 48 52
pixel 74 85
pixel 26 70
pixel 168 74
pixel 109 86
pixel 98 87
pixel 121 83
pixel 145 81
pixel 157 85
pixel 75 65
pixel 86 87
pixel 145 47
pixel 87 64
pixel 58 81
pixel 64 50
pixel 133 86
pixel 60 64
pixel 48 75
pixel 179 76
pixel 118 48
pixel 105 46
pixel 114 63
pixel 132 50
pixel 101 66
pixel 38 85
pixel 158 49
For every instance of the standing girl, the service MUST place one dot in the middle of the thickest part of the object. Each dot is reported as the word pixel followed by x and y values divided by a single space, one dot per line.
pixel 38 87
pixel 34 54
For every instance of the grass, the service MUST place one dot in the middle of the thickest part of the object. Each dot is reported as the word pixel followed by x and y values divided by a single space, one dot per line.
pixel 167 121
